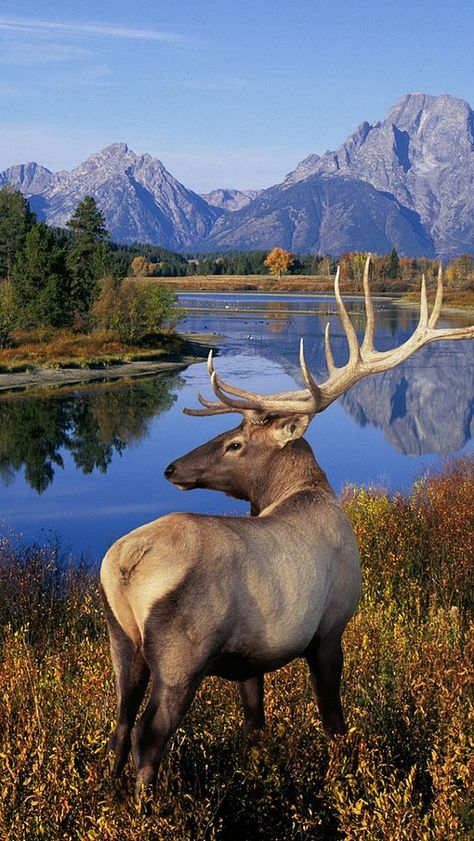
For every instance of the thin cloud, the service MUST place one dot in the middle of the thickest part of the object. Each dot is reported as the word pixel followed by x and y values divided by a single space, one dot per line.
pixel 14 53
pixel 104 30
pixel 95 76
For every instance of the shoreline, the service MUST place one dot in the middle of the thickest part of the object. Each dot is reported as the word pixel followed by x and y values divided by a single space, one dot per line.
pixel 37 379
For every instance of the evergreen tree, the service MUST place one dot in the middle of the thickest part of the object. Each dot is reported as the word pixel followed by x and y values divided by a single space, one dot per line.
pixel 393 264
pixel 15 221
pixel 41 280
pixel 88 257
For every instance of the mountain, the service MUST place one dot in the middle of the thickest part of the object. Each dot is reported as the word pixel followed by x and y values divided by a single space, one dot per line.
pixel 326 215
pixel 228 199
pixel 140 199
pixel 423 155
pixel 31 179
pixel 406 182
pixel 419 163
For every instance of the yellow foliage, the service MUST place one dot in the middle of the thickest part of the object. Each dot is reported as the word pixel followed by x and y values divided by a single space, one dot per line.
pixel 278 261
pixel 140 267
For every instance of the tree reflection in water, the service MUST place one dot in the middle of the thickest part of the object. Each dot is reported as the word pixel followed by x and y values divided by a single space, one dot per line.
pixel 91 426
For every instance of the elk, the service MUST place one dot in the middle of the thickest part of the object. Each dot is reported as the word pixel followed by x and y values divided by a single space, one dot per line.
pixel 191 595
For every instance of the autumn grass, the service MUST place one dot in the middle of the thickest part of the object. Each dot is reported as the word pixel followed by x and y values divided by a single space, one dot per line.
pixel 53 348
pixel 313 284
pixel 403 772
pixel 246 283
pixel 462 299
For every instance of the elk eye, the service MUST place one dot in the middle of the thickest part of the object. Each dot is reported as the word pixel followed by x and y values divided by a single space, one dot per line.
pixel 236 445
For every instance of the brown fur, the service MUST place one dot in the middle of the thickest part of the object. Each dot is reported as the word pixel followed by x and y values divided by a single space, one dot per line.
pixel 190 595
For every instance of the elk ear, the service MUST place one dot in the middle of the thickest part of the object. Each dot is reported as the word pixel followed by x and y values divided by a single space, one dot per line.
pixel 290 428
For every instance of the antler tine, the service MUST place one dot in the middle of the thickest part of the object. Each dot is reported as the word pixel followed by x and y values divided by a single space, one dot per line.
pixel 249 396
pixel 310 382
pixel 423 322
pixel 216 410
pixel 368 342
pixel 331 365
pixel 362 362
pixel 433 320
pixel 211 408
pixel 255 407
pixel 238 405
pixel 346 322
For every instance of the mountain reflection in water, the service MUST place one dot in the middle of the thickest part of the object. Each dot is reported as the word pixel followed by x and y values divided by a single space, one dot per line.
pixel 425 405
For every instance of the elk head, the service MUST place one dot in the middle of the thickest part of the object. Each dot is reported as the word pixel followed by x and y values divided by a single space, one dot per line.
pixel 273 424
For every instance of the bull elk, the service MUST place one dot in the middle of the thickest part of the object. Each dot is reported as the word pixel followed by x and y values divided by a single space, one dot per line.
pixel 190 595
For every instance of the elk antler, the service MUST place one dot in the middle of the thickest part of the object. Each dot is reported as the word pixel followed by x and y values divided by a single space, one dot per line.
pixel 363 360
pixel 256 407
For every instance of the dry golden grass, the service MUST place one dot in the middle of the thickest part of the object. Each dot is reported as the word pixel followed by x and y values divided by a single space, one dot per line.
pixel 403 773
pixel 51 348
pixel 246 283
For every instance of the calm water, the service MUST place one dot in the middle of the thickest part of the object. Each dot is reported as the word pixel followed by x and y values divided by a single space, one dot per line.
pixel 88 466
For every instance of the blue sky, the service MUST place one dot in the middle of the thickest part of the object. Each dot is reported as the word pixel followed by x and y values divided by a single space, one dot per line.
pixel 224 93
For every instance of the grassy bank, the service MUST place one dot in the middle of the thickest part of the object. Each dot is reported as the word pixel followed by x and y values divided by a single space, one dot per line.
pixel 52 348
pixel 402 773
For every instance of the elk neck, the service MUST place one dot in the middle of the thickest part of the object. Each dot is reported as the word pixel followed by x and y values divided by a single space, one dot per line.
pixel 291 470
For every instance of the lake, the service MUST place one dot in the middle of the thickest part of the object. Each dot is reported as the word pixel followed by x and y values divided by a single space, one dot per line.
pixel 86 466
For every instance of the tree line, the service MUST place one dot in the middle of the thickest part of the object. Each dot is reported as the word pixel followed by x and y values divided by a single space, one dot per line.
pixel 73 278
pixel 77 278
pixel 390 271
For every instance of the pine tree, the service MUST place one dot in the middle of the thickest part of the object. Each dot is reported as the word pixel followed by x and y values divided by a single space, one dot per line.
pixel 15 221
pixel 88 257
pixel 393 264
pixel 41 280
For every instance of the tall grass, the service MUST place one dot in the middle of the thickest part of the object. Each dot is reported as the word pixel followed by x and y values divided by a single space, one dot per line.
pixel 404 771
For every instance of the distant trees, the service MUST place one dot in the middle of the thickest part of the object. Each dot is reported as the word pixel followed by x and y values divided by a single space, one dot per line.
pixel 278 261
pixel 393 264
pixel 352 267
pixel 8 313
pixel 460 272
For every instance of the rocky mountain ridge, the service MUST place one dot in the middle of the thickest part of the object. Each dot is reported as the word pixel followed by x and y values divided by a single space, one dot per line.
pixel 405 182
pixel 229 199
pixel 140 199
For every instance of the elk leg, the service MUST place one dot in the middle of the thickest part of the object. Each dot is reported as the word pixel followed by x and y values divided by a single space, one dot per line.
pixel 325 660
pixel 162 715
pixel 131 677
pixel 251 694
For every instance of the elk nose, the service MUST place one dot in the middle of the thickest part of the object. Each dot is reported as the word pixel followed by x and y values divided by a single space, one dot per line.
pixel 169 470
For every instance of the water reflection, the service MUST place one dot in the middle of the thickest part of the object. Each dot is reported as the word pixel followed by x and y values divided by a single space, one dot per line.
pixel 423 406
pixel 37 432
pixel 428 407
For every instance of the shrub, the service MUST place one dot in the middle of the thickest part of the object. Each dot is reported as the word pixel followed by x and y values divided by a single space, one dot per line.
pixel 132 310
pixel 8 313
